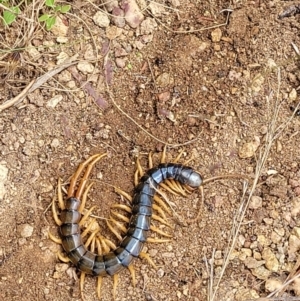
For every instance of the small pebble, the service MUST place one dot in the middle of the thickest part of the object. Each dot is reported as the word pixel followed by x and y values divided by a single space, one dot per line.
pixel 25 230
pixel 160 273
pixel 101 19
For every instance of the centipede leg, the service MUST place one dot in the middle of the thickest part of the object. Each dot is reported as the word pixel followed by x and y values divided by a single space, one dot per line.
pixel 81 283
pixel 155 229
pixel 98 288
pixel 60 199
pixel 87 173
pixel 132 273
pixel 157 240
pixel 163 155
pixel 54 238
pixel 116 280
pixel 120 216
pixel 63 258
pixel 159 219
pixel 90 162
pixel 71 190
pixel 84 198
pixel 124 194
pixel 148 258
pixel 114 231
pixel 161 203
pixel 139 172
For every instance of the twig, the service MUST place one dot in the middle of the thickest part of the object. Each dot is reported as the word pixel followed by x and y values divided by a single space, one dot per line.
pixel 18 98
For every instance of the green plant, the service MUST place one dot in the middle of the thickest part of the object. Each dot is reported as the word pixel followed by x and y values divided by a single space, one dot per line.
pixel 50 18
pixel 10 14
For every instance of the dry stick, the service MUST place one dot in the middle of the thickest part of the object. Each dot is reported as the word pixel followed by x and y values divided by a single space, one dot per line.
pixel 34 84
pixel 16 99
pixel 272 134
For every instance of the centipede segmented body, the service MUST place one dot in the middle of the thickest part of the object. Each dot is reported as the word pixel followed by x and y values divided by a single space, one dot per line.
pixel 121 257
pixel 139 224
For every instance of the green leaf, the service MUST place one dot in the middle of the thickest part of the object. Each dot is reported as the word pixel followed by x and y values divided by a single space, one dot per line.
pixel 43 18
pixel 15 9
pixel 8 17
pixel 65 8
pixel 50 3
pixel 50 22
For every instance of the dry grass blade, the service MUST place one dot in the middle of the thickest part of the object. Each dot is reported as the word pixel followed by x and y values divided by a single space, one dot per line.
pixel 273 133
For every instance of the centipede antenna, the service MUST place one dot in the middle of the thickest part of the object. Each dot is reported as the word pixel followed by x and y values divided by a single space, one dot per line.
pixel 220 177
pixel 139 170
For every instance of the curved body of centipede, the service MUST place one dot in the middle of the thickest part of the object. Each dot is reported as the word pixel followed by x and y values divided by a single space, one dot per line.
pixel 111 259
pixel 139 225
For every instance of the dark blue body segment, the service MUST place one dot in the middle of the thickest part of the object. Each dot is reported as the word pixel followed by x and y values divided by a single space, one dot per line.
pixel 139 224
pixel 142 199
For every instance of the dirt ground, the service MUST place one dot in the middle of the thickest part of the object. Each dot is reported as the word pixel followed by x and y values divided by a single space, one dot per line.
pixel 216 79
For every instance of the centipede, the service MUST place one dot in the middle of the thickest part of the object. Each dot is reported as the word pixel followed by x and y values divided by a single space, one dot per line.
pixel 111 259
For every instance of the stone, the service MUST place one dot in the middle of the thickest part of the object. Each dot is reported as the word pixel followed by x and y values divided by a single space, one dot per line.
pixel 101 19
pixel 25 230
pixel 272 263
pixel 216 35
pixel 272 284
pixel 255 202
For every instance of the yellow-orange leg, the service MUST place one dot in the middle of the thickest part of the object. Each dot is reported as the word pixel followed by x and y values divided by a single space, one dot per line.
pixel 89 163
